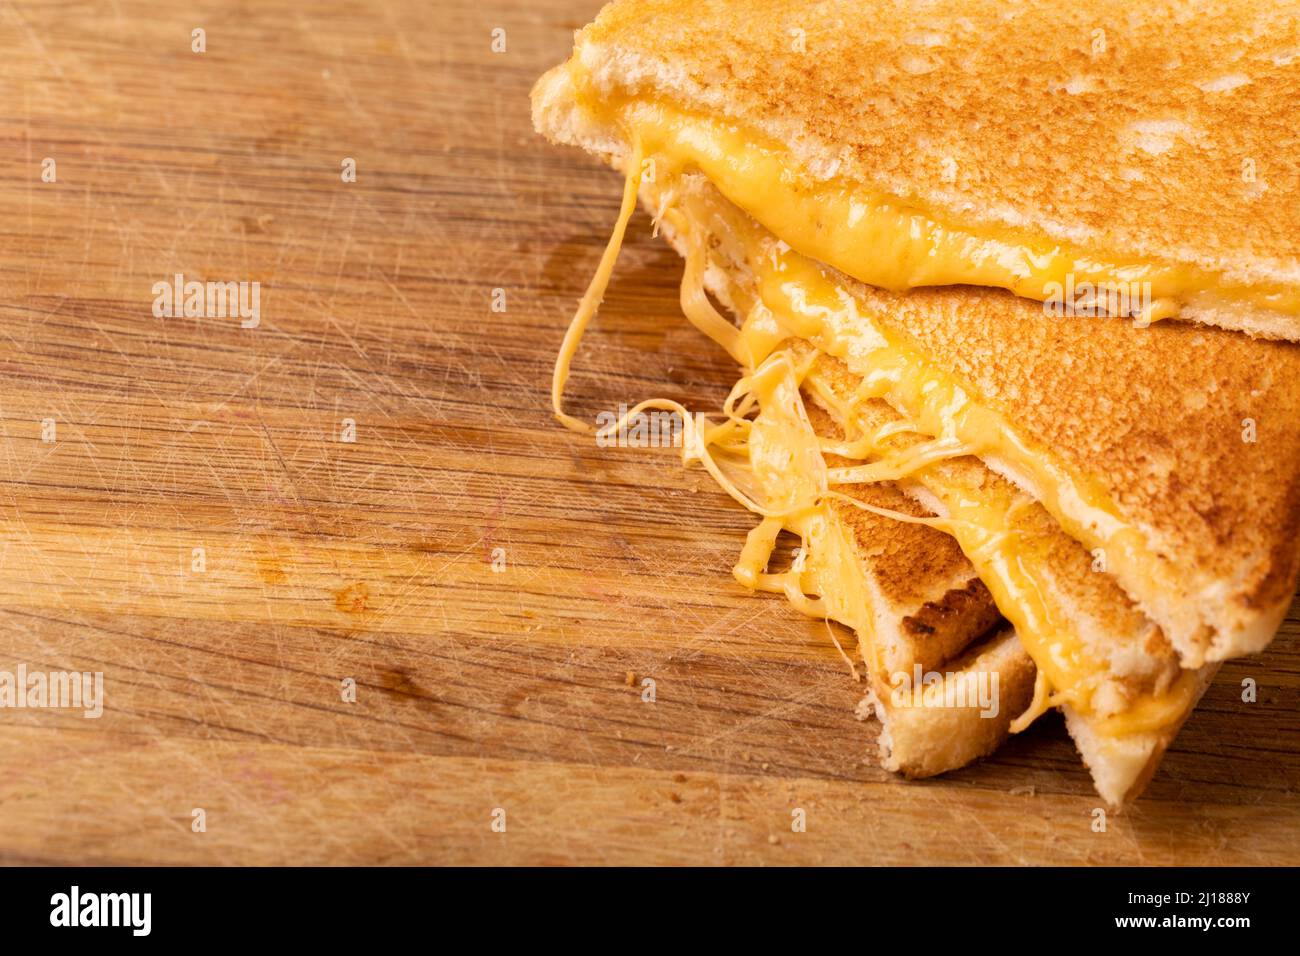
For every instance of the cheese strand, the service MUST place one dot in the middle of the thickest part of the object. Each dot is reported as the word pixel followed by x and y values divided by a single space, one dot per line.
pixel 595 293
pixel 697 307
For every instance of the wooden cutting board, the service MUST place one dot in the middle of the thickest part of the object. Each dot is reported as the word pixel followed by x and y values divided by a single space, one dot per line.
pixel 130 441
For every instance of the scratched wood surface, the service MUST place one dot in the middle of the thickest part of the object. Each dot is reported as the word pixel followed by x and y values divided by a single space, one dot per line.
pixel 477 689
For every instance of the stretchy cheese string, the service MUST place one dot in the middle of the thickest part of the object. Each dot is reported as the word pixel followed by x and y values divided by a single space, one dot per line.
pixel 701 313
pixel 1040 705
pixel 901 464
pixel 595 293
pixel 868 443
pixel 759 545
pixel 740 392
pixel 697 307
pixel 853 670
pixel 864 444
pixel 695 445
pixel 794 593
pixel 930 521
pixel 781 368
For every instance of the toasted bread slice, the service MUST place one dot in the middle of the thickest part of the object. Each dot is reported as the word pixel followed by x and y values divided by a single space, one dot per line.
pixel 927 610
pixel 921 741
pixel 974 143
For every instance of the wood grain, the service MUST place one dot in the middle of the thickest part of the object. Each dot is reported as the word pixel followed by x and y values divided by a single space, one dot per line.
pixel 478 689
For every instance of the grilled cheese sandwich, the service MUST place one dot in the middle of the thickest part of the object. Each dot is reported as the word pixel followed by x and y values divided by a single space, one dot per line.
pixel 787 250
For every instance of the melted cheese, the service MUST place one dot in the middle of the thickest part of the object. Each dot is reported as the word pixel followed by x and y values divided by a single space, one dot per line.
pixel 591 299
pixel 896 244
pixel 785 456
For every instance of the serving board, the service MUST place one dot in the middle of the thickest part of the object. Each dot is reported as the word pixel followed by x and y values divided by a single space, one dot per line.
pixel 366 484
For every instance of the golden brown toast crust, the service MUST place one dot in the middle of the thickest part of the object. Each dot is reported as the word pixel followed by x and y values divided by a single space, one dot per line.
pixel 1105 124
